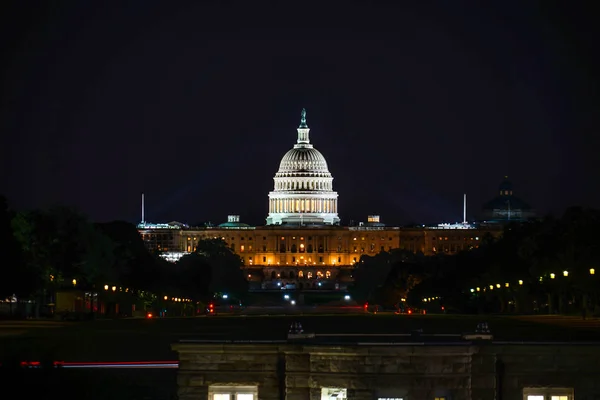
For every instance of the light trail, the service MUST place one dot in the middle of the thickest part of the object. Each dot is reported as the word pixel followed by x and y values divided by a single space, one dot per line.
pixel 116 364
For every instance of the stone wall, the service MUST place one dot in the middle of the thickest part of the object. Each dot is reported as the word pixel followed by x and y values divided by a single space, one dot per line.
pixel 298 372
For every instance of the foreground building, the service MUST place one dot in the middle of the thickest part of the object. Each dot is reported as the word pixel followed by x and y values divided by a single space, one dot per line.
pixel 465 370
pixel 303 245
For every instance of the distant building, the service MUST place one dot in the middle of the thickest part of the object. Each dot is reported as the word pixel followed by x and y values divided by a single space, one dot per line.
pixel 303 244
pixel 506 207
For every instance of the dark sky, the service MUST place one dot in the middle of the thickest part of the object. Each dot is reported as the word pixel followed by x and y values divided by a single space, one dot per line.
pixel 195 103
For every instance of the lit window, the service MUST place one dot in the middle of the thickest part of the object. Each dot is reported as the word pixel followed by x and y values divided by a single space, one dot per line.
pixel 232 392
pixel 547 394
pixel 439 398
pixel 334 394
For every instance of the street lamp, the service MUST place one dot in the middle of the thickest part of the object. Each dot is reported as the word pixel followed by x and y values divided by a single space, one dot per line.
pixel 74 282
pixel 105 287
pixel 592 271
pixel 114 288
pixel 552 276
pixel 498 285
pixel 506 284
pixel 565 273
pixel 520 282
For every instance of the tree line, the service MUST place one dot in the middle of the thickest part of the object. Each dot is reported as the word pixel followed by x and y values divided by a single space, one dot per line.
pixel 547 265
pixel 46 250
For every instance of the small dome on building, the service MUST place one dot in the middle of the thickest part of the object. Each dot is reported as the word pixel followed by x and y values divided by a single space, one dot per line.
pixel 233 221
pixel 506 206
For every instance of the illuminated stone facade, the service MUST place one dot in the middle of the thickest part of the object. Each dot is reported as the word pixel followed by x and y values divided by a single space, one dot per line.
pixel 312 256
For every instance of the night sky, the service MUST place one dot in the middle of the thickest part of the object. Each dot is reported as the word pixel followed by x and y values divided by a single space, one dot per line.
pixel 195 103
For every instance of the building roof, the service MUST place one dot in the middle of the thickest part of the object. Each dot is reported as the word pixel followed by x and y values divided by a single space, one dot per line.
pixel 505 199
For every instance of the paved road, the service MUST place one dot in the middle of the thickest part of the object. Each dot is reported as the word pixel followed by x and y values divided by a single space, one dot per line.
pixel 142 339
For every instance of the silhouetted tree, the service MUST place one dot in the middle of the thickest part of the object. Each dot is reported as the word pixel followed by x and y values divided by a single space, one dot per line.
pixel 226 273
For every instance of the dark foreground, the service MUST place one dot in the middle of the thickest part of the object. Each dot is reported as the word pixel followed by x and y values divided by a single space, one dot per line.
pixel 150 340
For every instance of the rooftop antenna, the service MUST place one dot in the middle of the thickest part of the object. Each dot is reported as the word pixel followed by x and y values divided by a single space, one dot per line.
pixel 143 221
pixel 465 209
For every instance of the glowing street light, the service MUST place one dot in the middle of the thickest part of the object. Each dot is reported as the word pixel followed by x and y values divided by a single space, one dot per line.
pixel 520 282
pixel 74 282
pixel 592 271
pixel 114 288
pixel 166 298
pixel 565 273
pixel 478 289
pixel 498 285
pixel 105 287
pixel 506 284
pixel 472 290
pixel 491 287
pixel 552 276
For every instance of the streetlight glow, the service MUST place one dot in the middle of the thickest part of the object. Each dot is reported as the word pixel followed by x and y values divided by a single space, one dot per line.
pixel 552 276
pixel 520 282
pixel 74 282
pixel 592 271
pixel 565 273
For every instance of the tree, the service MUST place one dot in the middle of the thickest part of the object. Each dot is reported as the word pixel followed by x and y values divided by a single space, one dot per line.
pixel 13 273
pixel 192 276
pixel 226 273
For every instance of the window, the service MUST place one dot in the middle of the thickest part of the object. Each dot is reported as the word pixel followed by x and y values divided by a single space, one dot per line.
pixel 334 394
pixel 548 394
pixel 264 259
pixel 232 392
pixel 439 398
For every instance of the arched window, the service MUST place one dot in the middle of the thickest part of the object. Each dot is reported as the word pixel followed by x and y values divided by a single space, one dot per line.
pixel 300 274
pixel 309 275
pixel 327 274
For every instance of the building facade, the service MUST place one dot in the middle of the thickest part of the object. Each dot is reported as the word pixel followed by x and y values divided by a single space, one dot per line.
pixel 302 243
pixel 404 371
pixel 312 257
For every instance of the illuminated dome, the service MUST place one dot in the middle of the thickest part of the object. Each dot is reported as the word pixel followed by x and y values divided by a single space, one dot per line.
pixel 303 192
pixel 303 160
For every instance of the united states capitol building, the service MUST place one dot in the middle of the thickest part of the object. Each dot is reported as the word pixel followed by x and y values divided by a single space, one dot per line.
pixel 302 245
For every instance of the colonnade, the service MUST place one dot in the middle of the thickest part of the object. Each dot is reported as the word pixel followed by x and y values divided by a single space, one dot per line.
pixel 303 185
pixel 303 205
